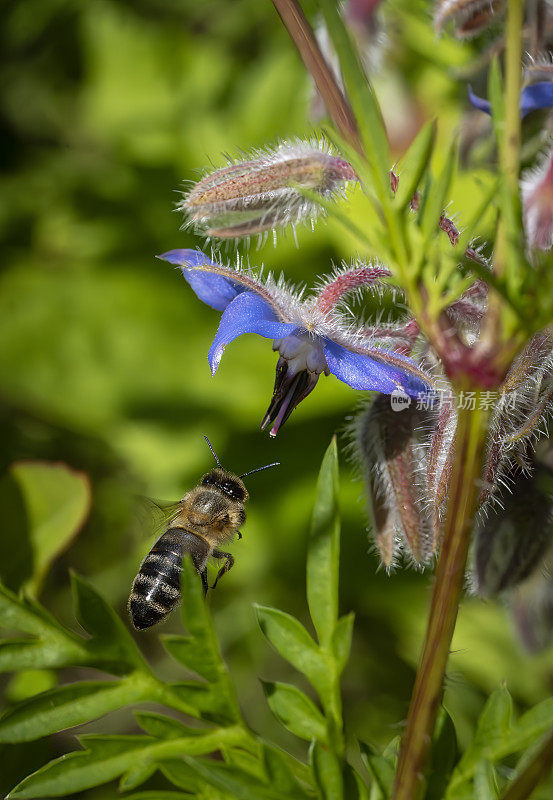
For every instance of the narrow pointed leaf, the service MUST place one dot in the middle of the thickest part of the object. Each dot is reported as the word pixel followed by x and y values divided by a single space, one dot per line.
pixel 293 642
pixel 327 772
pixel 195 656
pixel 57 500
pixel 234 781
pixel 61 708
pixel 414 164
pixel 295 711
pixel 437 197
pixel 137 775
pixel 324 550
pixel 279 774
pixel 101 621
pixel 341 640
pixel 493 726
pixel 161 726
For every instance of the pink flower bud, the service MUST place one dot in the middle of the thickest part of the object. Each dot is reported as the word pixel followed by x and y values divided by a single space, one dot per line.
pixel 264 192
pixel 537 200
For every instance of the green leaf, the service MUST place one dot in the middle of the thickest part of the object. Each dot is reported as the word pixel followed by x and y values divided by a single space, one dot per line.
pixel 158 795
pixel 61 708
pixel 111 639
pixel 324 550
pixel 435 197
pixel 208 701
pixel 136 775
pixel 238 783
pixel 291 640
pixel 354 786
pixel 104 759
pixel 444 757
pixel 57 501
pixel 414 164
pixel 485 784
pixel 326 772
pixel 162 727
pixel 279 774
pixel 295 711
pixel 195 656
pixel 530 727
pixel 17 654
pixel 181 774
pixel 381 769
pixel 341 640
pixel 108 757
pixel 493 726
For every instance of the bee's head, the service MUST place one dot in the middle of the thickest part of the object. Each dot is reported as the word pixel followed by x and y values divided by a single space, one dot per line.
pixel 226 482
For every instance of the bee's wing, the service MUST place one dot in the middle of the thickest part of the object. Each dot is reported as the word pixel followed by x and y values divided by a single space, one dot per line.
pixel 154 516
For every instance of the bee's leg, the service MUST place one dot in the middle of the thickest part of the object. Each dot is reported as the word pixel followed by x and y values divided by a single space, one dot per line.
pixel 203 576
pixel 239 534
pixel 226 566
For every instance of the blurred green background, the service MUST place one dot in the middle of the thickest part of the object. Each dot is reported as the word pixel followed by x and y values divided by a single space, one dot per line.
pixel 107 107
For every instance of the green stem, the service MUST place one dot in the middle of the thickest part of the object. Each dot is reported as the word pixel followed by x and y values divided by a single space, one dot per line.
pixel 448 586
pixel 513 50
pixel 534 772
pixel 301 33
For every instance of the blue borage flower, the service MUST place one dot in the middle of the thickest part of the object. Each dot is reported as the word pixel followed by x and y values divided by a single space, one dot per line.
pixel 533 97
pixel 310 333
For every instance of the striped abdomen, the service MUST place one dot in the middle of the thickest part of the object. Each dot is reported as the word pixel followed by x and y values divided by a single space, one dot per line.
pixel 156 589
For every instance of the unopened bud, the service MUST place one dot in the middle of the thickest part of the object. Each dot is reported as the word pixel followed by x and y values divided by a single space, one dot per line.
pixel 264 192
pixel 511 541
pixel 466 17
pixel 537 200
pixel 389 450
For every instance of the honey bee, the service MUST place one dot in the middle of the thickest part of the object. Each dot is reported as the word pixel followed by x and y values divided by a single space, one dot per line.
pixel 206 517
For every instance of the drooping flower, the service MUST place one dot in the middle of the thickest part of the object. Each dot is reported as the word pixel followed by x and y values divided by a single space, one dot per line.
pixel 263 192
pixel 532 98
pixel 310 334
pixel 537 200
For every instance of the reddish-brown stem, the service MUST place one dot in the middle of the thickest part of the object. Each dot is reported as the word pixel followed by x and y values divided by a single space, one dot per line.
pixel 448 586
pixel 534 772
pixel 301 33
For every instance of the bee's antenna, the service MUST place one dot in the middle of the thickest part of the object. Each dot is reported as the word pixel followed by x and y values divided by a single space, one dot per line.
pixel 258 469
pixel 214 453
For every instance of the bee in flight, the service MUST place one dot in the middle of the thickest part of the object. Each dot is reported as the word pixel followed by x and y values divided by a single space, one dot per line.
pixel 206 517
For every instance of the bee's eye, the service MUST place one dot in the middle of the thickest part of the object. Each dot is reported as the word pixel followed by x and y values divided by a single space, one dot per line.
pixel 233 490
pixel 208 480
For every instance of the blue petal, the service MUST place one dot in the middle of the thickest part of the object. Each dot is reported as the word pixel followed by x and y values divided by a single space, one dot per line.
pixel 366 373
pixel 539 95
pixel 479 102
pixel 214 290
pixel 248 313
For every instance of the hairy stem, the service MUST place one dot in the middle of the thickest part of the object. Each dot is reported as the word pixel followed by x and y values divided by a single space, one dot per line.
pixel 534 772
pixel 301 33
pixel 448 586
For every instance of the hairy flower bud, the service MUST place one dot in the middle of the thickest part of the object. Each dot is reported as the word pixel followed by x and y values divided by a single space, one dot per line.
pixel 264 192
pixel 390 452
pixel 467 17
pixel 537 200
pixel 511 541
